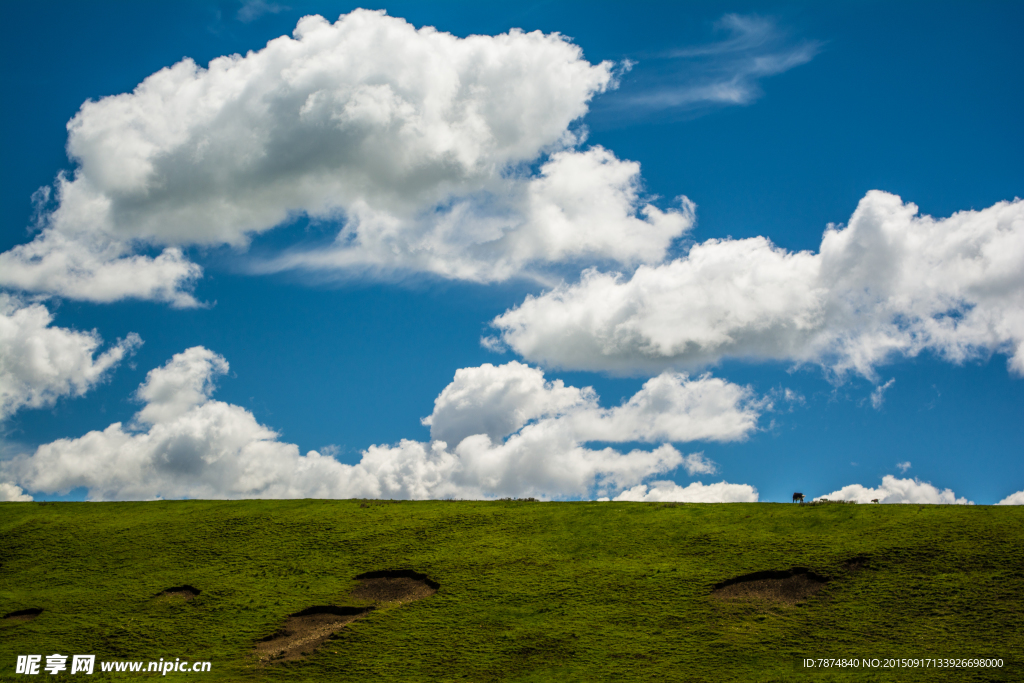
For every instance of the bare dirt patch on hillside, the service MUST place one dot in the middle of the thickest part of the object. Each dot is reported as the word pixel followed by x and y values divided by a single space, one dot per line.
pixel 393 586
pixel 789 586
pixel 304 631
pixel 180 592
pixel 23 614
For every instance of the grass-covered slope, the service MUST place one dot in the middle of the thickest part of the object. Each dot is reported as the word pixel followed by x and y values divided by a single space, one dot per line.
pixel 528 591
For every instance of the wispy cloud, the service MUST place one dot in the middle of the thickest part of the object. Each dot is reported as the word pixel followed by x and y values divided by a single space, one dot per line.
pixel 252 10
pixel 878 395
pixel 749 32
pixel 722 73
pixel 903 466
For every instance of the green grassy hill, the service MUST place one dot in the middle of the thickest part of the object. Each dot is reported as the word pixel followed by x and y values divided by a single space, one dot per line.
pixel 528 591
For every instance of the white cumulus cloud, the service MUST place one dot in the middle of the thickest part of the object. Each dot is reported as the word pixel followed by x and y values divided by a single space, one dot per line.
pixel 499 400
pixel 13 494
pixel 671 407
pixel 181 444
pixel 98 268
pixel 895 490
pixel 698 463
pixel 182 383
pixel 697 492
pixel 891 284
pixel 509 433
pixel 581 207
pixel 368 109
pixel 1013 499
pixel 415 142
pixel 40 364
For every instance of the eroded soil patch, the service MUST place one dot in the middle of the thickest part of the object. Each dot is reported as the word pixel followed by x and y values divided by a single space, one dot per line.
pixel 789 586
pixel 23 614
pixel 304 631
pixel 393 586
pixel 182 592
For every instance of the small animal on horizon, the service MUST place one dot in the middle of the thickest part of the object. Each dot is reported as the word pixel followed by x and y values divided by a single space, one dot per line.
pixel 874 500
pixel 798 497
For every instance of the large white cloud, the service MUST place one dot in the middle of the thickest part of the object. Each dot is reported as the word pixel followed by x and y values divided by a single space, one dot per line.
pixel 890 284
pixel 417 142
pixel 499 400
pixel 581 207
pixel 697 492
pixel 1013 499
pixel 40 364
pixel 13 494
pixel 895 490
pixel 510 433
pixel 98 268
pixel 367 109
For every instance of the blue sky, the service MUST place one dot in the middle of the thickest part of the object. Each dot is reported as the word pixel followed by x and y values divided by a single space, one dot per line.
pixel 367 201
